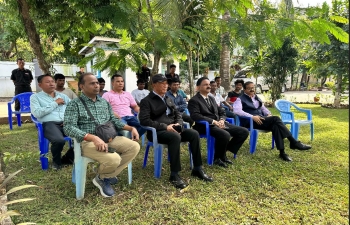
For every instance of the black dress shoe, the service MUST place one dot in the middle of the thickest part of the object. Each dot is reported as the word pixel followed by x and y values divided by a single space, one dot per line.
pixel 227 161
pixel 300 146
pixel 201 175
pixel 219 162
pixel 177 181
pixel 285 157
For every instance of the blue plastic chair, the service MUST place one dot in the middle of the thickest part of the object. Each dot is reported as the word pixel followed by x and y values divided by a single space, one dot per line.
pixel 158 151
pixel 44 144
pixel 80 169
pixel 24 100
pixel 211 140
pixel 254 134
pixel 284 107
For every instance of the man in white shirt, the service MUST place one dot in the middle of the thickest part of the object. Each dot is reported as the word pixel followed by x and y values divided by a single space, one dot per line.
pixel 220 100
pixel 220 89
pixel 140 92
pixel 60 80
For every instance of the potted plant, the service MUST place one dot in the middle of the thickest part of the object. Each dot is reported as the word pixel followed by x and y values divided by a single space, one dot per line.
pixel 317 97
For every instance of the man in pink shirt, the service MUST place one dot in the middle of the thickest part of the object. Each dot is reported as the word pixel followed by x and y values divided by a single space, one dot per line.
pixel 122 102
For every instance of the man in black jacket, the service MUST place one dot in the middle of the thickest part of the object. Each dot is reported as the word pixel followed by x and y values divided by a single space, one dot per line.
pixel 22 78
pixel 203 107
pixel 159 111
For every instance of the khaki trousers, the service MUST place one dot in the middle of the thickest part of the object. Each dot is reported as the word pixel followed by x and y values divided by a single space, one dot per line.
pixel 111 164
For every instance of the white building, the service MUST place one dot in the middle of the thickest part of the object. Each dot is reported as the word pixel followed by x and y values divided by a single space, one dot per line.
pixel 128 75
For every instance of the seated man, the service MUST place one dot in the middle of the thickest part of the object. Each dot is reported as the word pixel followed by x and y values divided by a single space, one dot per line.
pixel 122 102
pixel 48 107
pixel 233 95
pixel 60 80
pixel 139 93
pixel 183 94
pixel 112 157
pixel 102 84
pixel 220 100
pixel 180 103
pixel 202 106
pixel 158 111
pixel 250 105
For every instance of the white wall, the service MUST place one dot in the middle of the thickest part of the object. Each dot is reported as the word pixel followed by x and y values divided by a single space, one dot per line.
pixel 7 88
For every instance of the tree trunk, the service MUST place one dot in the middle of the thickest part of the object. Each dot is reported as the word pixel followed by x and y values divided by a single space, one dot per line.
pixel 33 36
pixel 155 68
pixel 225 57
pixel 190 72
pixel 7 54
pixel 338 91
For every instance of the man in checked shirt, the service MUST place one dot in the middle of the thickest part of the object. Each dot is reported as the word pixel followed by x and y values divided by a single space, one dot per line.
pixel 114 156
pixel 250 105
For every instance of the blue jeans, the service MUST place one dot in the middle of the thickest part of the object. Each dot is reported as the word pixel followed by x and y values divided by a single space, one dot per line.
pixel 133 121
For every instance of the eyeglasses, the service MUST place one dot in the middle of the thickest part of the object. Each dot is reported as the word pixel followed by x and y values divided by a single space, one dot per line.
pixel 252 88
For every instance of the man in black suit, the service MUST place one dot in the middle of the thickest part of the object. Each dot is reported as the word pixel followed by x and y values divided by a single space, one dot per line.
pixel 250 105
pixel 203 107
pixel 159 111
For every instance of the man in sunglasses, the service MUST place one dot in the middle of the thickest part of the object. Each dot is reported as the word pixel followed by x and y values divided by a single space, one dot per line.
pixel 250 105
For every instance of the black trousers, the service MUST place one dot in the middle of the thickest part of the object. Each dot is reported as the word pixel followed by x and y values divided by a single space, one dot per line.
pixel 223 140
pixel 173 140
pixel 53 131
pixel 187 119
pixel 19 90
pixel 277 127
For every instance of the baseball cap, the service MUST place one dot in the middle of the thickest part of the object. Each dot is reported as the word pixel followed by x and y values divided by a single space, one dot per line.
pixel 158 78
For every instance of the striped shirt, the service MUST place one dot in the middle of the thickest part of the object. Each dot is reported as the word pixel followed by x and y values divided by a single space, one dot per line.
pixel 77 122
pixel 44 107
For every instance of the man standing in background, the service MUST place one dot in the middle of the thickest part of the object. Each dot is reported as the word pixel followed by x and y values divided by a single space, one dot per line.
pixel 144 74
pixel 22 78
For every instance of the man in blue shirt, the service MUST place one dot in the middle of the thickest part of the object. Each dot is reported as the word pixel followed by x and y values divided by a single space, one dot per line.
pixel 177 98
pixel 48 107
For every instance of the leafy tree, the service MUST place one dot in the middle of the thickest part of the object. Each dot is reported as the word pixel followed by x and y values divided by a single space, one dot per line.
pixel 277 64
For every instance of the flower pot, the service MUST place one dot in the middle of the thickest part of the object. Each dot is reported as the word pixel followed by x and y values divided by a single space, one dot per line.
pixel 316 99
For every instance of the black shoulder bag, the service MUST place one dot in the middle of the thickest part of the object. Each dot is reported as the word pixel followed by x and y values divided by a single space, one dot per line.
pixel 106 131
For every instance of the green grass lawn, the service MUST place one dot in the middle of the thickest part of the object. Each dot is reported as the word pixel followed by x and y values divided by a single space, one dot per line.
pixel 257 189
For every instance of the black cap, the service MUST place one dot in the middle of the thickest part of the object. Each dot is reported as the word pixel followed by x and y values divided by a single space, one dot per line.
pixel 158 78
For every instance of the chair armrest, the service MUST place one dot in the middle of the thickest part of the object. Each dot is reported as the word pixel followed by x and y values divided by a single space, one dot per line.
pixel 186 125
pixel 230 120
pixel 206 123
pixel 308 112
pixel 154 134
pixel 251 127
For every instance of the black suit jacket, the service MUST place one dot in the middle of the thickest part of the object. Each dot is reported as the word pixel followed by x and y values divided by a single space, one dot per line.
pixel 199 109
pixel 153 112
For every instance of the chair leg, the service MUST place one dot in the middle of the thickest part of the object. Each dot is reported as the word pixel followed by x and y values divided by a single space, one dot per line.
pixel 79 170
pixel 158 157
pixel 272 142
pixel 253 141
pixel 190 152
pixel 296 131
pixel 130 173
pixel 210 150
pixel 44 151
pixel 143 140
pixel 312 131
pixel 146 155
pixel 19 122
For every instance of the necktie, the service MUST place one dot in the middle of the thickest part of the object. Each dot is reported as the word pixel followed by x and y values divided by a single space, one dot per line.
pixel 208 102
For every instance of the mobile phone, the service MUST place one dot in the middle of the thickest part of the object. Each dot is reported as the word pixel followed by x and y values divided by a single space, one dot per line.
pixel 178 128
pixel 111 150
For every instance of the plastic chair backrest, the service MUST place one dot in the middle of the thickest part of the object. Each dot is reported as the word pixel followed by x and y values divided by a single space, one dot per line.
pixel 24 100
pixel 284 106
